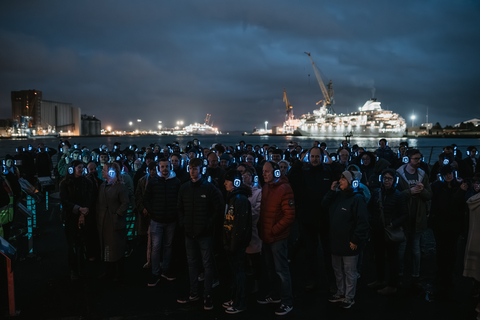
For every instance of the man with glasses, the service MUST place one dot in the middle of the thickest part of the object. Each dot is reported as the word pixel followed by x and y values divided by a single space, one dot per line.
pixel 414 184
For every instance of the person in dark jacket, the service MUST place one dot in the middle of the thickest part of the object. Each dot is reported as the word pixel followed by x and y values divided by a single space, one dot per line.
pixel 390 203
pixel 160 201
pixel 447 216
pixel 237 232
pixel 348 230
pixel 310 180
pixel 178 164
pixel 77 199
pixel 199 205
pixel 384 151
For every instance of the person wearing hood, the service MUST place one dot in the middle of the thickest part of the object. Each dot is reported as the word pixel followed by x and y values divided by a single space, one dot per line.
pixel 447 217
pixel 237 232
pixel 387 208
pixel 277 213
pixel 160 201
pixel 348 223
pixel 414 184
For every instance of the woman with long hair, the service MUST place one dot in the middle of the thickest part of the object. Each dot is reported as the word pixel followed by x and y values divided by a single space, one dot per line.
pixel 112 206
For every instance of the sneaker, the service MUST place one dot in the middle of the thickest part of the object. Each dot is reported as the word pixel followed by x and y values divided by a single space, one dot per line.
pixel 227 304
pixel 336 298
pixel 207 303
pixel 215 283
pixel 388 291
pixel 268 300
pixel 201 277
pixel 191 298
pixel 147 265
pixel 347 303
pixel 154 280
pixel 283 310
pixel 168 276
pixel 232 310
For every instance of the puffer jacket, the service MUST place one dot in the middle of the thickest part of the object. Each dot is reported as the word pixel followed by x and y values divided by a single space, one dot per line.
pixel 277 211
pixel 237 225
pixel 161 198
pixel 199 205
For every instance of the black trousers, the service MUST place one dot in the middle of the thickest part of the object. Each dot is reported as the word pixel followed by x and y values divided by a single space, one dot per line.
pixel 384 250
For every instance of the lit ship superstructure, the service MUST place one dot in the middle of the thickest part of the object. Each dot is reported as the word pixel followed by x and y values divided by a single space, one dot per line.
pixel 201 129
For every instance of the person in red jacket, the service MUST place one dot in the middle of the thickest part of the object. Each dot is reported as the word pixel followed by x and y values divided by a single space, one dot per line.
pixel 277 213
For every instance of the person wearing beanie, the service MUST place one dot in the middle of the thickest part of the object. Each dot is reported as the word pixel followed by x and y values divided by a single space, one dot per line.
pixel 348 225
pixel 446 219
pixel 237 232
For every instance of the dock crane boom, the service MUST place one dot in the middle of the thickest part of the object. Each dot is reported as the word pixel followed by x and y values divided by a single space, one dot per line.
pixel 328 95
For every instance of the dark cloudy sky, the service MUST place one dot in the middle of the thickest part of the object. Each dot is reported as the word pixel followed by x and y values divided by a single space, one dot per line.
pixel 179 60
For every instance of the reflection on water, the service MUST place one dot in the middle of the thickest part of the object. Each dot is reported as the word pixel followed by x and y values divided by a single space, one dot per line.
pixel 424 144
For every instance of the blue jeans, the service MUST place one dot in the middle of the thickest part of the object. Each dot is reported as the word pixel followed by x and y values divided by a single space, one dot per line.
pixel 277 264
pixel 413 243
pixel 161 232
pixel 345 269
pixel 200 249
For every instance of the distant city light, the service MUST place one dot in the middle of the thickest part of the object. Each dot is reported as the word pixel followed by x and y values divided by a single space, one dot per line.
pixel 109 128
pixel 266 124
pixel 413 117
pixel 130 123
pixel 139 120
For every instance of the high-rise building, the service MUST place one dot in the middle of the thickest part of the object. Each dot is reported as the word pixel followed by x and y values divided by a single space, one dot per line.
pixel 26 103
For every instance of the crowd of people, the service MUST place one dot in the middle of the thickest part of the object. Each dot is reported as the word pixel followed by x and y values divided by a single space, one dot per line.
pixel 255 207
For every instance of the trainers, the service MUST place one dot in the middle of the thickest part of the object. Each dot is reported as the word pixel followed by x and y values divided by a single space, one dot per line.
pixel 191 298
pixel 388 291
pixel 233 310
pixel 227 304
pixel 336 298
pixel 154 280
pixel 283 310
pixel 168 276
pixel 268 300
pixel 207 303
pixel 147 265
pixel 347 303
pixel 201 277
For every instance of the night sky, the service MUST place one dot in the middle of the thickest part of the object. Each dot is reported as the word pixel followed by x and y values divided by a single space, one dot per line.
pixel 179 60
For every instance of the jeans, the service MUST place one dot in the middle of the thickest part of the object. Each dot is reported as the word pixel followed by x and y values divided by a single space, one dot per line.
pixel 413 243
pixel 200 249
pixel 161 232
pixel 237 266
pixel 345 268
pixel 277 264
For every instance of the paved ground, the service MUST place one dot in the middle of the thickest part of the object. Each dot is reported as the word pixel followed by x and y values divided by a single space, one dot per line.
pixel 45 291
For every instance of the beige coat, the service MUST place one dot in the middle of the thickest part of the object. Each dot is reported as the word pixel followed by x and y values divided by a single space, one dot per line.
pixel 472 250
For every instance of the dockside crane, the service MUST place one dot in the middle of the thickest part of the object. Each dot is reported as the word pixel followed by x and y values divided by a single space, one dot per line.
pixel 327 94
pixel 289 111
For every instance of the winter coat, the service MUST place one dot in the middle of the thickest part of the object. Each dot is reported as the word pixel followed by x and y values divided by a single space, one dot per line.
pixel 74 194
pixel 415 202
pixel 161 198
pixel 237 225
pixel 128 181
pixel 394 208
pixel 255 199
pixel 199 205
pixel 348 221
pixel 112 206
pixel 386 154
pixel 448 207
pixel 310 184
pixel 277 211
pixel 472 249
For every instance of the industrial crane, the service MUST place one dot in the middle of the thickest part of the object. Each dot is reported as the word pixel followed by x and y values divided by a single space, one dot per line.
pixel 289 111
pixel 327 94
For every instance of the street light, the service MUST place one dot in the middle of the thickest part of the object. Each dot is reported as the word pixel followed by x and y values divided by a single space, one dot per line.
pixel 266 123
pixel 413 118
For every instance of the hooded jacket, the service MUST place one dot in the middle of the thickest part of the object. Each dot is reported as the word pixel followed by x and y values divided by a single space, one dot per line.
pixel 448 207
pixel 348 221
pixel 161 198
pixel 416 203
pixel 237 225
pixel 277 211
pixel 199 205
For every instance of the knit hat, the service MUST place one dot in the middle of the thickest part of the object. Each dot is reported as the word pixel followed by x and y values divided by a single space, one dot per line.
pixel 348 176
pixel 8 156
pixel 231 175
pixel 446 169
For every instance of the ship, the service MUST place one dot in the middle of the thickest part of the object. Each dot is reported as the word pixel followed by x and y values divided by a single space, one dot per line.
pixel 369 121
pixel 202 129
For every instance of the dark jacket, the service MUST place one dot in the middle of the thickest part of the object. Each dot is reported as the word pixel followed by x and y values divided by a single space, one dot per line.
pixel 394 208
pixel 237 225
pixel 199 205
pixel 74 194
pixel 448 207
pixel 386 154
pixel 348 218
pixel 310 184
pixel 161 198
